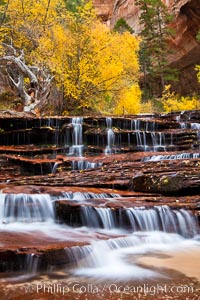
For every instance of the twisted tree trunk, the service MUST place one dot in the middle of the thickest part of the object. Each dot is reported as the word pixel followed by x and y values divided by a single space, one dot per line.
pixel 34 94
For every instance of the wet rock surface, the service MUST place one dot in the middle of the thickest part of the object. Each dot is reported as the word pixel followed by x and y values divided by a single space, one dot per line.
pixel 143 157
pixel 66 183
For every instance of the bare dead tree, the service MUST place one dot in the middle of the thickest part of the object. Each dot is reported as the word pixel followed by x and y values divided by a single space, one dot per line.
pixel 35 92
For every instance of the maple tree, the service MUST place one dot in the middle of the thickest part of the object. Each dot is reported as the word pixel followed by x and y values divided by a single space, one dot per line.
pixel 88 63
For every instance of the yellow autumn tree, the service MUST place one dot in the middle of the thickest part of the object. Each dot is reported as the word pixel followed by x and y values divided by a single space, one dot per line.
pixel 91 65
pixel 27 21
pixel 22 27
pixel 198 72
pixel 129 101
pixel 173 102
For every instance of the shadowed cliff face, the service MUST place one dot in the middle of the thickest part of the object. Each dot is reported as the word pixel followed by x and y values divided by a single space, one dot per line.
pixel 185 47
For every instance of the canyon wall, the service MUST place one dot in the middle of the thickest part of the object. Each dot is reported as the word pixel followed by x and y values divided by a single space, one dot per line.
pixel 186 49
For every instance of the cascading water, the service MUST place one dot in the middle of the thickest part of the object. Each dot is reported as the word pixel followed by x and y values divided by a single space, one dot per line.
pixel 110 259
pixel 184 155
pixel 126 233
pixel 26 208
pixel 77 137
pixel 195 126
pixel 158 141
pixel 158 218
pixel 154 229
pixel 110 136
pixel 84 165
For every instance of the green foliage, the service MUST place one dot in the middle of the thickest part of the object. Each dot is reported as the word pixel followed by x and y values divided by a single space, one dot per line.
pixel 122 26
pixel 198 66
pixel 155 20
pixel 72 5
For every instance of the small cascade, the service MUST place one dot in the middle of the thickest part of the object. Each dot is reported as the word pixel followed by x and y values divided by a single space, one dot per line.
pixel 112 265
pixel 183 125
pixel 55 166
pixel 158 218
pixel 84 165
pixel 31 263
pixel 98 217
pixel 31 266
pixel 26 208
pixel 162 218
pixel 195 126
pixel 158 141
pixel 110 136
pixel 109 259
pixel 135 124
pixel 149 140
pixel 77 137
pixel 184 155
pixel 76 254
pixel 79 196
pixel 141 140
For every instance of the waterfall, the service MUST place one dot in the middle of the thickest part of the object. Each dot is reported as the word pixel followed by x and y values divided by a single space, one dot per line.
pixel 55 166
pixel 26 208
pixel 110 136
pixel 162 218
pixel 182 125
pixel 77 137
pixel 98 217
pixel 79 196
pixel 109 259
pixel 141 140
pixel 158 141
pixel 195 126
pixel 84 165
pixel 184 155
pixel 135 124
pixel 157 218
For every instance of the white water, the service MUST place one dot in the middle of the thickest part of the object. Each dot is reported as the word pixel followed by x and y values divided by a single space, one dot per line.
pixel 110 137
pixel 158 141
pixel 157 218
pixel 184 155
pixel 81 196
pixel 117 258
pixel 77 137
pixel 26 208
pixel 84 165
pixel 195 126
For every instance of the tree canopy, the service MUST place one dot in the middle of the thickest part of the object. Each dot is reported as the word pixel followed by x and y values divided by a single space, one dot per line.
pixel 91 65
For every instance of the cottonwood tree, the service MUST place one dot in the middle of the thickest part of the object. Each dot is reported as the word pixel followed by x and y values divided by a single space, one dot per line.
pixel 90 65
